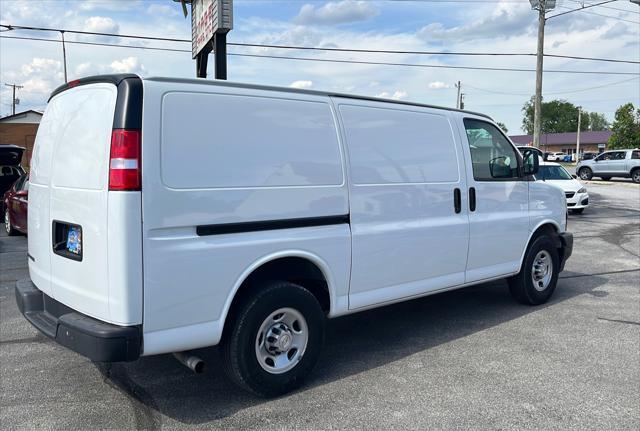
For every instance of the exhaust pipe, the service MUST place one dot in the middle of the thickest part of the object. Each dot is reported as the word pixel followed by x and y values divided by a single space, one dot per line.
pixel 190 361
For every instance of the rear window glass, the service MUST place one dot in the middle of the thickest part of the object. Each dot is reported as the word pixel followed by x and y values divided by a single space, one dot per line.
pixel 227 141
pixel 73 139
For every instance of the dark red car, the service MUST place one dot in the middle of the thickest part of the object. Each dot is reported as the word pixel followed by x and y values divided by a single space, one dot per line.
pixel 15 206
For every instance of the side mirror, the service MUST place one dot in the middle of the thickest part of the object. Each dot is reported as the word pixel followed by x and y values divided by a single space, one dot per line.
pixel 531 164
pixel 574 176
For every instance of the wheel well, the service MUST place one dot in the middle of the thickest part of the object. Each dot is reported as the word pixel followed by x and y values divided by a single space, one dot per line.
pixel 296 270
pixel 552 231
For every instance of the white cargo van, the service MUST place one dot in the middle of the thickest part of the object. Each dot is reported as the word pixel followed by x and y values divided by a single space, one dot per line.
pixel 172 214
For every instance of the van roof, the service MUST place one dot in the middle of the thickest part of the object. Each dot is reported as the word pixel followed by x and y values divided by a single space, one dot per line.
pixel 116 78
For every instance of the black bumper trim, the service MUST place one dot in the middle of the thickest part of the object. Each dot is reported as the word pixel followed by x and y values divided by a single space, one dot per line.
pixel 566 239
pixel 97 340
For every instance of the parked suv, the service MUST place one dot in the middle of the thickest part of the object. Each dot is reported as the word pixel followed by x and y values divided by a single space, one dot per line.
pixel 556 157
pixel 617 163
pixel 297 205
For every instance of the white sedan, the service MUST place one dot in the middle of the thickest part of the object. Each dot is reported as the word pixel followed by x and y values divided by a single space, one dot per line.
pixel 557 175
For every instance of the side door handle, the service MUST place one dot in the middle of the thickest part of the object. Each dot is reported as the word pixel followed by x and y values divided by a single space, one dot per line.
pixel 472 199
pixel 457 200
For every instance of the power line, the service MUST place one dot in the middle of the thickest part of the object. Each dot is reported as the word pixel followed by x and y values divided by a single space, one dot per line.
pixel 606 7
pixel 328 49
pixel 329 60
pixel 554 92
pixel 569 9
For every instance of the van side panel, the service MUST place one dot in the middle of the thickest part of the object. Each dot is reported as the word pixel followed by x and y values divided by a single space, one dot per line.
pixel 404 165
pixel 217 155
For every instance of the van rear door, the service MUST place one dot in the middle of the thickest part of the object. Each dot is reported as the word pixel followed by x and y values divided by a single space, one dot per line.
pixel 80 233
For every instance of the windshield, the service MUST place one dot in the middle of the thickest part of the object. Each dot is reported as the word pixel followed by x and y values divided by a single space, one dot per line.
pixel 553 173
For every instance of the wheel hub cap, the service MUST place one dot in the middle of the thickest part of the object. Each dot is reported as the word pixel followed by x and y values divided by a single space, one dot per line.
pixel 281 340
pixel 542 270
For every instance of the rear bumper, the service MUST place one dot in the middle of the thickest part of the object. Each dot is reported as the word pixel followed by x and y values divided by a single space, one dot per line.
pixel 566 239
pixel 97 340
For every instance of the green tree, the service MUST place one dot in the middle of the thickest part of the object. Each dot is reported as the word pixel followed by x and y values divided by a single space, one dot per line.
pixel 503 127
pixel 558 116
pixel 625 128
pixel 598 122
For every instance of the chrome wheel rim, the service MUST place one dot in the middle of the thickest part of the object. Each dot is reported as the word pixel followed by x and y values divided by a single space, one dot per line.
pixel 281 340
pixel 542 270
pixel 7 222
pixel 636 176
pixel 584 174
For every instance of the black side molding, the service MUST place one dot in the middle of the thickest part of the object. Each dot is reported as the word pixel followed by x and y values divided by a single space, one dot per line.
pixel 255 226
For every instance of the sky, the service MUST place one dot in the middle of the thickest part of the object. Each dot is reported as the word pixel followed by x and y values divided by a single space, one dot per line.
pixel 504 26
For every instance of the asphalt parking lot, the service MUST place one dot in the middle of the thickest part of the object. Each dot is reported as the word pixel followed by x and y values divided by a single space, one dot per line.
pixel 468 359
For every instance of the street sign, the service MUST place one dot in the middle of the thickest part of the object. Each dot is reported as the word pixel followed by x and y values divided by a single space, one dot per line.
pixel 209 17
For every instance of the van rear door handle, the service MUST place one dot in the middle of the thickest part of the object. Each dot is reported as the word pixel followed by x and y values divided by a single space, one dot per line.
pixel 472 199
pixel 457 200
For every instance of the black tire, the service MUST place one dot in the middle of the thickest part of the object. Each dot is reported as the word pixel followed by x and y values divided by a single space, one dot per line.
pixel 238 345
pixel 605 178
pixel 7 224
pixel 585 174
pixel 521 285
pixel 577 211
pixel 635 175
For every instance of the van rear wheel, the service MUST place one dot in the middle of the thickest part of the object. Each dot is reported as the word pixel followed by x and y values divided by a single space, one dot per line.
pixel 274 340
pixel 537 279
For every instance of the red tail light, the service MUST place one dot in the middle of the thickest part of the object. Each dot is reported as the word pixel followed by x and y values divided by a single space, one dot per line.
pixel 125 163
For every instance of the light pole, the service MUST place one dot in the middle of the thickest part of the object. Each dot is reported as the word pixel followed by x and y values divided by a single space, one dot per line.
pixel 578 134
pixel 64 56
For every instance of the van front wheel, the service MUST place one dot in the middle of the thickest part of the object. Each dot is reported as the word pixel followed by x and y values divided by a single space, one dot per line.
pixel 537 279
pixel 274 339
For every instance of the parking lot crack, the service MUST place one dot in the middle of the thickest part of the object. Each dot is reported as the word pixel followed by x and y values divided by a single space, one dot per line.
pixel 628 322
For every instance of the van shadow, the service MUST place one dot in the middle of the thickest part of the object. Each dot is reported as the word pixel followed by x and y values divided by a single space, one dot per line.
pixel 161 386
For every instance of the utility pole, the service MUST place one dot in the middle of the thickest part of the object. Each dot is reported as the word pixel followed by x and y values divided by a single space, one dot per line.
pixel 459 87
pixel 461 100
pixel 64 57
pixel 14 101
pixel 578 135
pixel 540 6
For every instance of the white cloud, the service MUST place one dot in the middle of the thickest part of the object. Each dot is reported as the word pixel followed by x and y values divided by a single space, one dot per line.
pixel 128 65
pixel 168 10
pixel 438 85
pixel 336 13
pixel 38 78
pixel 101 24
pixel 507 20
pixel 397 95
pixel 301 84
